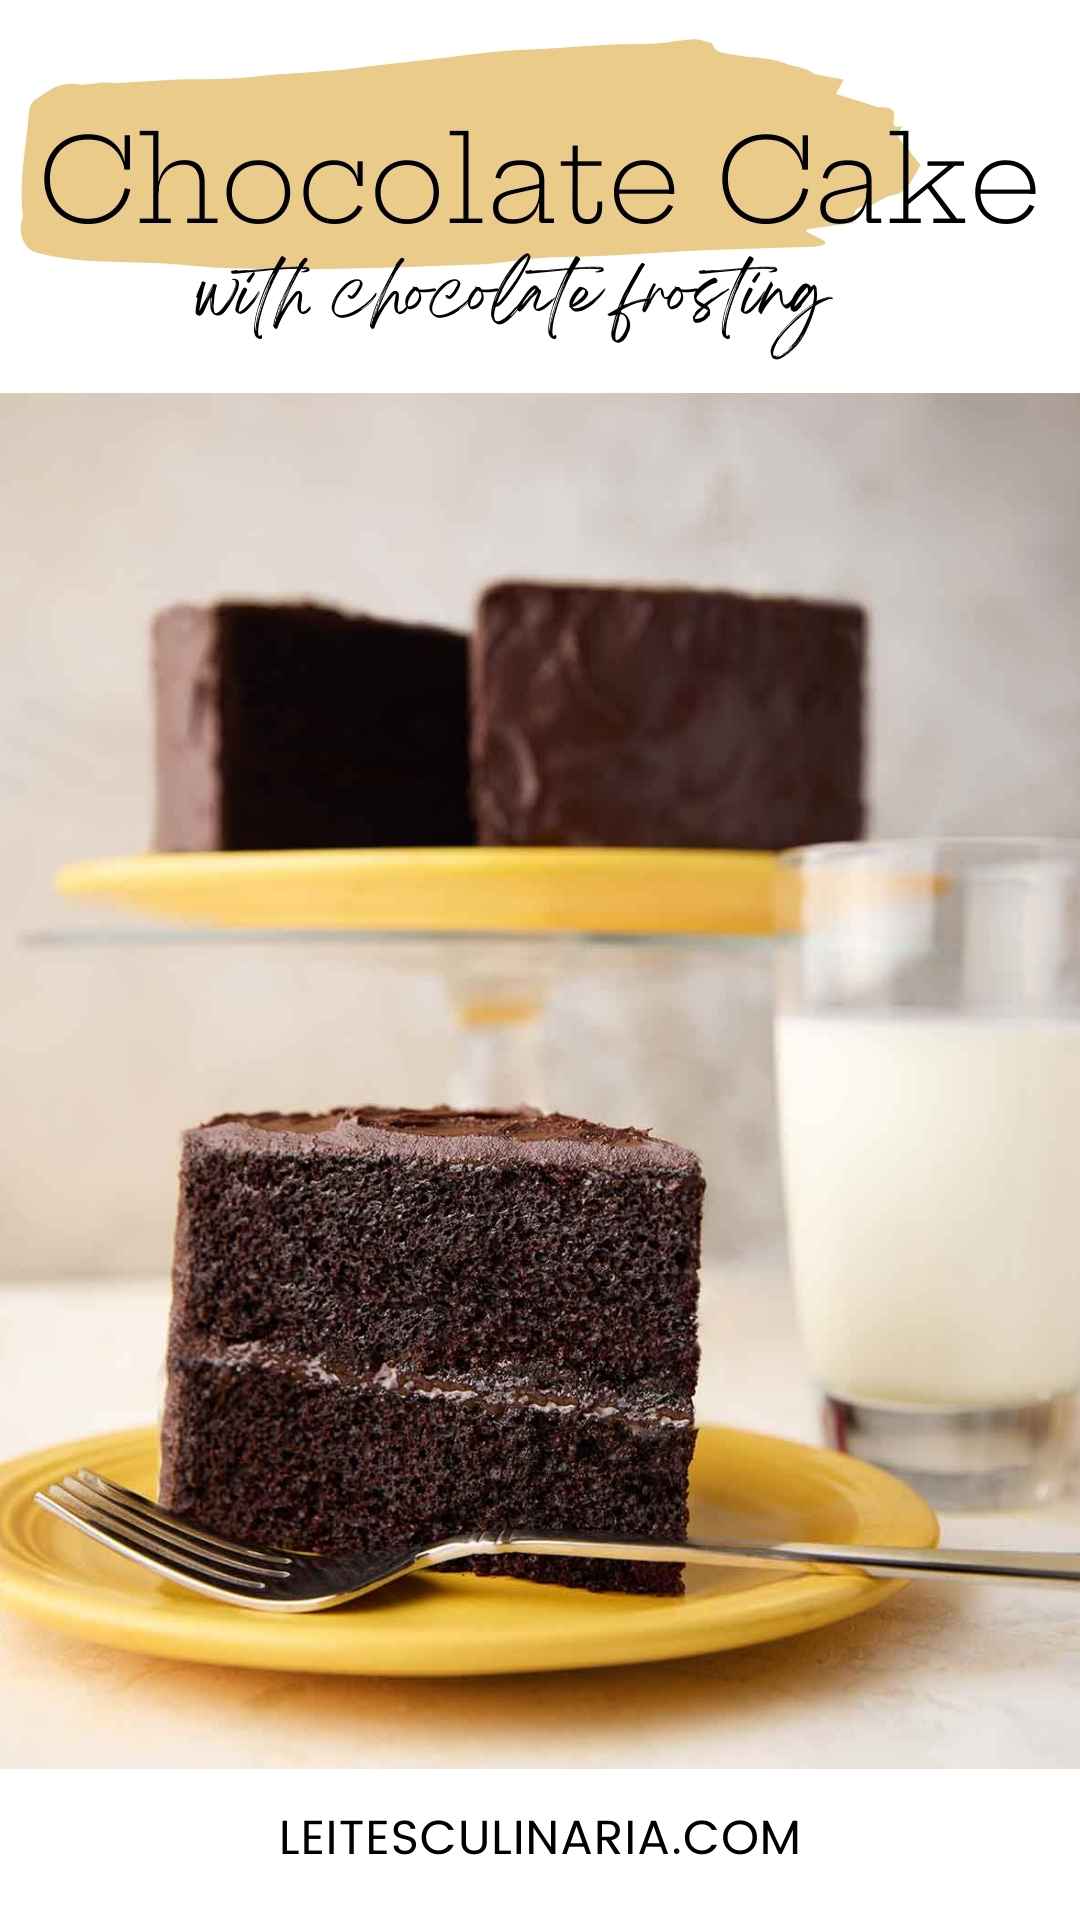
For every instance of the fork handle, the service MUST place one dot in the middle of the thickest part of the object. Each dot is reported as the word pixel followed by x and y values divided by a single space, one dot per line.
pixel 931 1563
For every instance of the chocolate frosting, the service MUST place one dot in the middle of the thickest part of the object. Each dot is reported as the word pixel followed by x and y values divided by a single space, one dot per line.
pixel 495 1387
pixel 445 1133
pixel 665 717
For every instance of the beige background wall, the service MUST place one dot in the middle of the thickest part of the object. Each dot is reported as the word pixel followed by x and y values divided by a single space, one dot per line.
pixel 955 519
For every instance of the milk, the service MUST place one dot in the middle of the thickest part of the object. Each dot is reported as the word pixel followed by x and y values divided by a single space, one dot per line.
pixel 932 1179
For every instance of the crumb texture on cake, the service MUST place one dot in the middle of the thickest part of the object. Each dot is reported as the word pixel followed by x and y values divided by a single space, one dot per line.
pixel 499 1307
pixel 538 1252
pixel 294 1457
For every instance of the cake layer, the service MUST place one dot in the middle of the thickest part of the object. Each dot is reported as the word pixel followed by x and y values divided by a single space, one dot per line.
pixel 298 726
pixel 528 1248
pixel 653 717
pixel 260 1446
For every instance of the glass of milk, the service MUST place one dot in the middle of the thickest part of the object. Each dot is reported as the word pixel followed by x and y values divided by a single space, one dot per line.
pixel 928 1068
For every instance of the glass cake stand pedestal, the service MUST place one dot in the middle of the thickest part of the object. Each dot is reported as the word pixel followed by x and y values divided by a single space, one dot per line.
pixel 500 925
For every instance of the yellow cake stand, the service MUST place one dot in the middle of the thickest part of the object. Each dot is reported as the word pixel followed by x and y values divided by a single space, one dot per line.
pixel 500 924
pixel 647 892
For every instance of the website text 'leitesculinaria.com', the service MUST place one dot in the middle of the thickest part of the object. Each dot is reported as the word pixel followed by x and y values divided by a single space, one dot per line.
pixel 530 1837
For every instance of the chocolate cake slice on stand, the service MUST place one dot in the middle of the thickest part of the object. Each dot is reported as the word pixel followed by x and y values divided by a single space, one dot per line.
pixel 300 726
pixel 391 1327
pixel 622 716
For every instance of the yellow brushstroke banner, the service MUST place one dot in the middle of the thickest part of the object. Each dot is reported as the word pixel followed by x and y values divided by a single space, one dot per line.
pixel 592 150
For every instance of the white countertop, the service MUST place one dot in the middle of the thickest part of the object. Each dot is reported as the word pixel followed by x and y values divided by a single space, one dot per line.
pixel 940 1676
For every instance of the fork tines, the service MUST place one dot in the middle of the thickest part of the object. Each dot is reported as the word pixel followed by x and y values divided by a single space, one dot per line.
pixel 145 1533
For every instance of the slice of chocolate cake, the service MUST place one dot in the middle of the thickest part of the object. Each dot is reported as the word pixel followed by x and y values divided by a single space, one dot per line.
pixel 297 726
pixel 396 1326
pixel 653 717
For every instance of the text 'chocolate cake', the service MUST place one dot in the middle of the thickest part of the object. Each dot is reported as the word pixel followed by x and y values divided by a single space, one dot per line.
pixel 391 1327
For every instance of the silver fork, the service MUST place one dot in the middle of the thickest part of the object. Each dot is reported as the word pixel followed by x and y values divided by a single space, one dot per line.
pixel 275 1581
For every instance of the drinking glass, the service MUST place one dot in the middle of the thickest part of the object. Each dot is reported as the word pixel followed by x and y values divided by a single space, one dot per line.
pixel 928 1070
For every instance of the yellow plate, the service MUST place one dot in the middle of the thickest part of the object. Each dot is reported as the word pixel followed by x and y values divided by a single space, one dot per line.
pixel 605 890
pixel 459 1624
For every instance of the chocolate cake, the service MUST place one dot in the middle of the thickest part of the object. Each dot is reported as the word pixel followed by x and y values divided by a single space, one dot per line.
pixel 397 1326
pixel 653 717
pixel 297 726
